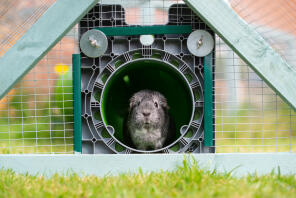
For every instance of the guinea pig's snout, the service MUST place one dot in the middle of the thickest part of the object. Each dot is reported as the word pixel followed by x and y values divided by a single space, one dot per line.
pixel 146 114
pixel 146 109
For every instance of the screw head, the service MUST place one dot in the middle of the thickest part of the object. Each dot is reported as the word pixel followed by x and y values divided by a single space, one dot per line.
pixel 93 43
pixel 200 43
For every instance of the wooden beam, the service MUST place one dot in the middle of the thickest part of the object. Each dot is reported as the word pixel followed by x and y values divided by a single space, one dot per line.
pixel 239 164
pixel 249 45
pixel 208 100
pixel 76 72
pixel 139 30
pixel 39 39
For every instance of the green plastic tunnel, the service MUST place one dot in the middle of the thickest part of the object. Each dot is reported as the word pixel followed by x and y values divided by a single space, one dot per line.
pixel 146 74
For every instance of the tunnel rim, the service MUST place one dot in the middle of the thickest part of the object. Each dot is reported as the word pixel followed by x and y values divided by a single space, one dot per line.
pixel 169 66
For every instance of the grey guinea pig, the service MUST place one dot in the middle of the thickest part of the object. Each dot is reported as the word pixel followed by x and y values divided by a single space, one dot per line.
pixel 148 120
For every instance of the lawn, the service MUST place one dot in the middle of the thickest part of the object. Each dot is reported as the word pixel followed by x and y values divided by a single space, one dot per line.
pixel 185 181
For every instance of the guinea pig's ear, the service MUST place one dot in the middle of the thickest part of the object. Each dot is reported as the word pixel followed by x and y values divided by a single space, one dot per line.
pixel 164 104
pixel 133 101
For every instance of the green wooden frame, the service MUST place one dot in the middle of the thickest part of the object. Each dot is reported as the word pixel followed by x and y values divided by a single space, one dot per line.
pixel 109 164
pixel 76 72
pixel 208 100
pixel 249 45
pixel 143 30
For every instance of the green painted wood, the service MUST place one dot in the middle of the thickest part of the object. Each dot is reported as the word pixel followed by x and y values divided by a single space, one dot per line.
pixel 76 72
pixel 249 45
pixel 208 100
pixel 39 39
pixel 111 164
pixel 144 30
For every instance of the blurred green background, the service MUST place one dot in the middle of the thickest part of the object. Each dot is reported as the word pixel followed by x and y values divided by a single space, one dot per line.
pixel 46 126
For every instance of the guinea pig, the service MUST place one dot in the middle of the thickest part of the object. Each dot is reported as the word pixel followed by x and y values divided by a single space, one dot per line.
pixel 148 120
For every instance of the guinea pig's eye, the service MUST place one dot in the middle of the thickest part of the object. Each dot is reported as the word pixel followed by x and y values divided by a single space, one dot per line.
pixel 156 104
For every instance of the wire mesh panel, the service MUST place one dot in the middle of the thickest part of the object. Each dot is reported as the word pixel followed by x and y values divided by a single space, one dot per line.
pixel 36 116
pixel 16 17
pixel 250 117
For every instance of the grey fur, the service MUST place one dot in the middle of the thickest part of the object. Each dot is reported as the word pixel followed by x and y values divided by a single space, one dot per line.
pixel 148 120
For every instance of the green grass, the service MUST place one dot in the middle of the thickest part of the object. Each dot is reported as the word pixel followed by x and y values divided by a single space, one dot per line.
pixel 186 181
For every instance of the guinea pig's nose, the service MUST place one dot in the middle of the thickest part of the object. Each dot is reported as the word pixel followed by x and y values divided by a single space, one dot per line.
pixel 146 114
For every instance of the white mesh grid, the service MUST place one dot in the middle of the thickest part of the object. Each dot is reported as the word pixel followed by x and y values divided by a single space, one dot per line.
pixel 250 117
pixel 37 115
pixel 16 17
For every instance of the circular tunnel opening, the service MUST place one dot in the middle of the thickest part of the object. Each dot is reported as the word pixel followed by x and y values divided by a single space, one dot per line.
pixel 149 74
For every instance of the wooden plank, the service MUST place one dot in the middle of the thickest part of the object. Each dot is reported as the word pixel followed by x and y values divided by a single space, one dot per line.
pixel 38 40
pixel 208 100
pixel 139 30
pixel 109 164
pixel 76 72
pixel 249 45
